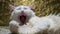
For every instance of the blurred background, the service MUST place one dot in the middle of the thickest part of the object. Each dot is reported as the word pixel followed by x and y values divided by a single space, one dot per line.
pixel 42 8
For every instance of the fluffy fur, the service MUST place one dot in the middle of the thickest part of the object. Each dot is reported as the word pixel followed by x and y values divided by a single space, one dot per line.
pixel 34 25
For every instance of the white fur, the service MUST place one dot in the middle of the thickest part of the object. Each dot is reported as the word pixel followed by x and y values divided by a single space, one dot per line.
pixel 35 24
pixel 55 25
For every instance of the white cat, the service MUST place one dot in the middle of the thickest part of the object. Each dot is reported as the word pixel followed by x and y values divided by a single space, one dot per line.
pixel 24 21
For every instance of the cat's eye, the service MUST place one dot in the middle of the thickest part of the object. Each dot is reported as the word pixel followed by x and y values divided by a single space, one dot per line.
pixel 25 8
pixel 19 9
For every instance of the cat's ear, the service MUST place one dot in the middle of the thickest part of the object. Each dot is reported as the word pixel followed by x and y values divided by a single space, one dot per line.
pixel 12 7
pixel 32 6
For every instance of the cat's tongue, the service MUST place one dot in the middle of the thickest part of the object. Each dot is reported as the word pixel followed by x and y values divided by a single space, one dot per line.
pixel 22 19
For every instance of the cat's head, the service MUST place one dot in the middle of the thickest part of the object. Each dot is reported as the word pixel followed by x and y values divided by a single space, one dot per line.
pixel 22 13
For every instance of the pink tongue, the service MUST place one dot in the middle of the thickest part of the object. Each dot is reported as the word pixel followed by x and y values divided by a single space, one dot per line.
pixel 23 19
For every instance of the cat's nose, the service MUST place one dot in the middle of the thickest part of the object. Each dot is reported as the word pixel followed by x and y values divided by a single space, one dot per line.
pixel 22 11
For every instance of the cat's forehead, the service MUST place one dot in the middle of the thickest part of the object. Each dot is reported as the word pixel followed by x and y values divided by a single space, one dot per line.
pixel 22 7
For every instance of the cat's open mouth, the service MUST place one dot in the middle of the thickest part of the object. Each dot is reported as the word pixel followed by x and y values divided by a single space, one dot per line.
pixel 22 19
